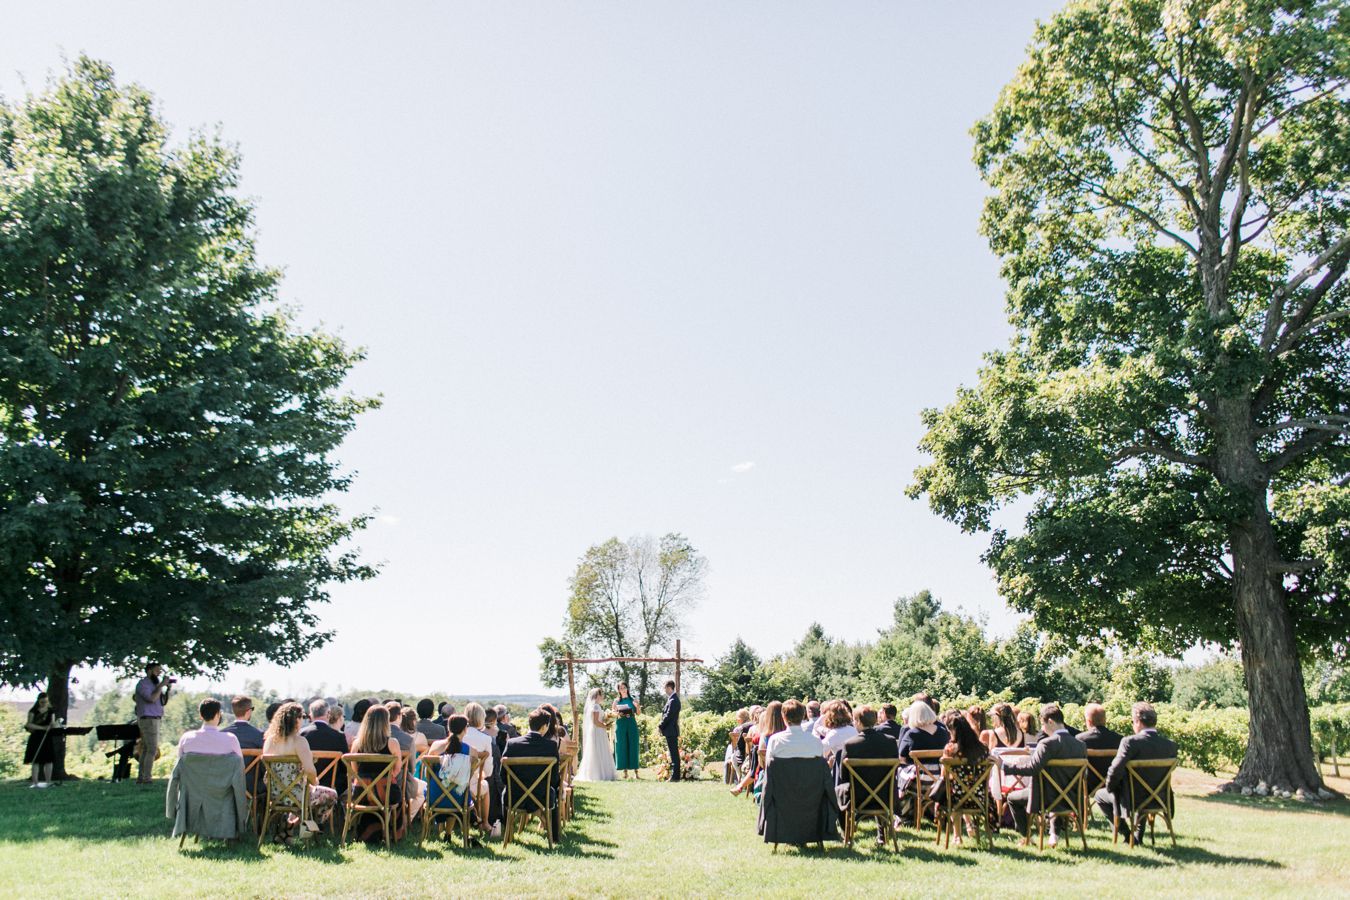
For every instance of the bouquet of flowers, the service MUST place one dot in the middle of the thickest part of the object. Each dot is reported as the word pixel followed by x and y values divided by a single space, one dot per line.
pixel 691 764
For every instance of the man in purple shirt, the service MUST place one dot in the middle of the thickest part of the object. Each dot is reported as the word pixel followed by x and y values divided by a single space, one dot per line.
pixel 151 692
pixel 209 739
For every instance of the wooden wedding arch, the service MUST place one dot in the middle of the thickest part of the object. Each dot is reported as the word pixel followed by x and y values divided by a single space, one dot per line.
pixel 572 662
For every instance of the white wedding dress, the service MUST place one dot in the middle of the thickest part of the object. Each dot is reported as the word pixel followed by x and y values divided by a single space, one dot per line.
pixel 597 759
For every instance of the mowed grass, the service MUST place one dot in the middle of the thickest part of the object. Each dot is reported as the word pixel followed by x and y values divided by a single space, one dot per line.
pixel 93 839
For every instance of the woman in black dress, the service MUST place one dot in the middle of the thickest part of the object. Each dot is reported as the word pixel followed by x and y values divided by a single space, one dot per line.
pixel 40 753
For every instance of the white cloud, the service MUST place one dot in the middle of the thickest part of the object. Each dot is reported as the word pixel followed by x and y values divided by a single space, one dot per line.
pixel 742 467
pixel 387 519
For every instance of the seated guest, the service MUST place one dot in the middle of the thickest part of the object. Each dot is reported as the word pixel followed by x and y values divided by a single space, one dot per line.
pixel 870 743
pixel 272 711
pixel 888 722
pixel 771 722
pixel 925 697
pixel 537 742
pixel 209 740
pixel 249 737
pixel 504 725
pixel 407 744
pixel 494 782
pixel 978 722
pixel 455 767
pixel 737 737
pixel 283 739
pixel 408 723
pixel 837 719
pixel 922 732
pixel 414 789
pixel 812 721
pixel 358 713
pixel 481 743
pixel 1057 744
pixel 1030 728
pixel 430 729
pixel 966 746
pixel 445 710
pixel 793 741
pixel 1145 743
pixel 1097 737
pixel 324 734
pixel 374 737
pixel 1005 732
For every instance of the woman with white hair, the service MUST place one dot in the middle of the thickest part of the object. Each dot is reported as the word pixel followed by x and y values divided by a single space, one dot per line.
pixel 597 759
pixel 921 731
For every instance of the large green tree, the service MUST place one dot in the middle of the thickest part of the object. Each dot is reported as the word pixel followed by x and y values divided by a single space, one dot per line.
pixel 166 431
pixel 1170 198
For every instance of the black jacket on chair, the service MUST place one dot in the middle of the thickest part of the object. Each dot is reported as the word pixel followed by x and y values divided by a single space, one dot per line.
pixel 798 805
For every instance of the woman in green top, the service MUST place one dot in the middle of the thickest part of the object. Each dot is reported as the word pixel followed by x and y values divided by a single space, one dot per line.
pixel 626 733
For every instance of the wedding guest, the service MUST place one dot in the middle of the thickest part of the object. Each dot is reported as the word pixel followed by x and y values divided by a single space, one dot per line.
pixel 537 742
pixel 271 710
pixel 1005 732
pixel 1029 727
pixel 925 697
pixel 283 739
pixel 771 722
pixel 40 751
pixel 965 745
pixel 738 735
pixel 837 719
pixel 887 722
pixel 1145 743
pixel 922 733
pixel 1057 744
pixel 504 724
pixel 426 724
pixel 794 741
pixel 324 733
pixel 374 736
pixel 249 738
pixel 480 742
pixel 358 713
pixel 871 742
pixel 978 722
pixel 812 720
pixel 455 766
pixel 445 710
pixel 495 782
pixel 1097 737
pixel 208 740
pixel 408 723
pixel 406 743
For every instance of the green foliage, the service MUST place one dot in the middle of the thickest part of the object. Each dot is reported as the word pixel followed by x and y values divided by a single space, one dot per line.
pixel 1217 683
pixel 705 731
pixel 167 481
pixel 1138 678
pixel 13 738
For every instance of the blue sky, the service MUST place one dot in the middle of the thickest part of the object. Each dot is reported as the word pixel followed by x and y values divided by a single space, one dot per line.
pixel 620 269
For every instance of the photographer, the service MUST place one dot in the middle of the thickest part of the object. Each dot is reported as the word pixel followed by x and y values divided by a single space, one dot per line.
pixel 151 693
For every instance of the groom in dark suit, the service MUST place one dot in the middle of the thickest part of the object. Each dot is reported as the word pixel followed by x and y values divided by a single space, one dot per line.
pixel 670 727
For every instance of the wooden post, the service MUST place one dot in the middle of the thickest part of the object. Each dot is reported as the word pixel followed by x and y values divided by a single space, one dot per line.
pixel 572 691
pixel 677 665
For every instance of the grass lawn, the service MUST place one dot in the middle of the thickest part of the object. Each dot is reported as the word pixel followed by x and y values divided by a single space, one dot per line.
pixel 93 839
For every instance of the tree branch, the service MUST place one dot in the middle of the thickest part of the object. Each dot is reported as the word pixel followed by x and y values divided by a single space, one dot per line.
pixel 1333 423
pixel 1308 441
pixel 1186 459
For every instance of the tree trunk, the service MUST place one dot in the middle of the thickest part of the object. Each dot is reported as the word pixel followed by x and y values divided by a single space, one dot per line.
pixel 58 695
pixel 1279 736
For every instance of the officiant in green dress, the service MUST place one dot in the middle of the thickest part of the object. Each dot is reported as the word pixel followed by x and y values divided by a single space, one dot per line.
pixel 626 732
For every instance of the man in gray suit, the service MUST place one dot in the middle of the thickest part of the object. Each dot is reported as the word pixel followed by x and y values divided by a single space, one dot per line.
pixel 1114 798
pixel 1058 743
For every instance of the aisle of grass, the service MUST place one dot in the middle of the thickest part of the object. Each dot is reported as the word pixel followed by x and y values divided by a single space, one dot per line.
pixel 97 840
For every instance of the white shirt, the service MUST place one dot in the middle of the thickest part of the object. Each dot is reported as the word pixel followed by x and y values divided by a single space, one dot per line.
pixel 480 741
pixel 836 738
pixel 795 743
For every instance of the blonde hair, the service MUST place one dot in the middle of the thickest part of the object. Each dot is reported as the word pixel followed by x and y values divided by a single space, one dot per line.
pixel 475 714
pixel 593 695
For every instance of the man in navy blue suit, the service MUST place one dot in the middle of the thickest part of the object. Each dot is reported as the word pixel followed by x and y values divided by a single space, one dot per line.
pixel 670 727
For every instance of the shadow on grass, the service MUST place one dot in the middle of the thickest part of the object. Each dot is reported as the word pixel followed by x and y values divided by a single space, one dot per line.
pixel 1338 807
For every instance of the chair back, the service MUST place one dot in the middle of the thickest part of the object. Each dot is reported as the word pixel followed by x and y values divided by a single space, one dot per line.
pixel 445 805
pixel 1098 762
pixel 1150 785
pixel 287 787
pixel 252 768
pixel 370 793
pixel 872 785
pixel 967 786
pixel 527 790
pixel 926 763
pixel 1062 786
pixel 327 763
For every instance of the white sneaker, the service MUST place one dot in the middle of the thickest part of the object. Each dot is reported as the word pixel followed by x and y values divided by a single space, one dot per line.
pixel 43 784
pixel 496 831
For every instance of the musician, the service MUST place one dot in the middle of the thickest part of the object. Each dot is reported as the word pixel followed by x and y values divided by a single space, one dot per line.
pixel 152 692
pixel 41 750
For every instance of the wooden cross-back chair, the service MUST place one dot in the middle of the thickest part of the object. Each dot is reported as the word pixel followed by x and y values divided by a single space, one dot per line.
pixel 965 798
pixel 925 776
pixel 867 800
pixel 567 759
pixel 286 790
pixel 1055 798
pixel 1095 778
pixel 252 777
pixel 369 796
pixel 1148 799
pixel 446 806
pixel 1007 783
pixel 328 763
pixel 524 801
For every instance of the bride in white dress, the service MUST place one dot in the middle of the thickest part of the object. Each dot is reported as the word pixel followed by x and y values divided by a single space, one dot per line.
pixel 597 759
